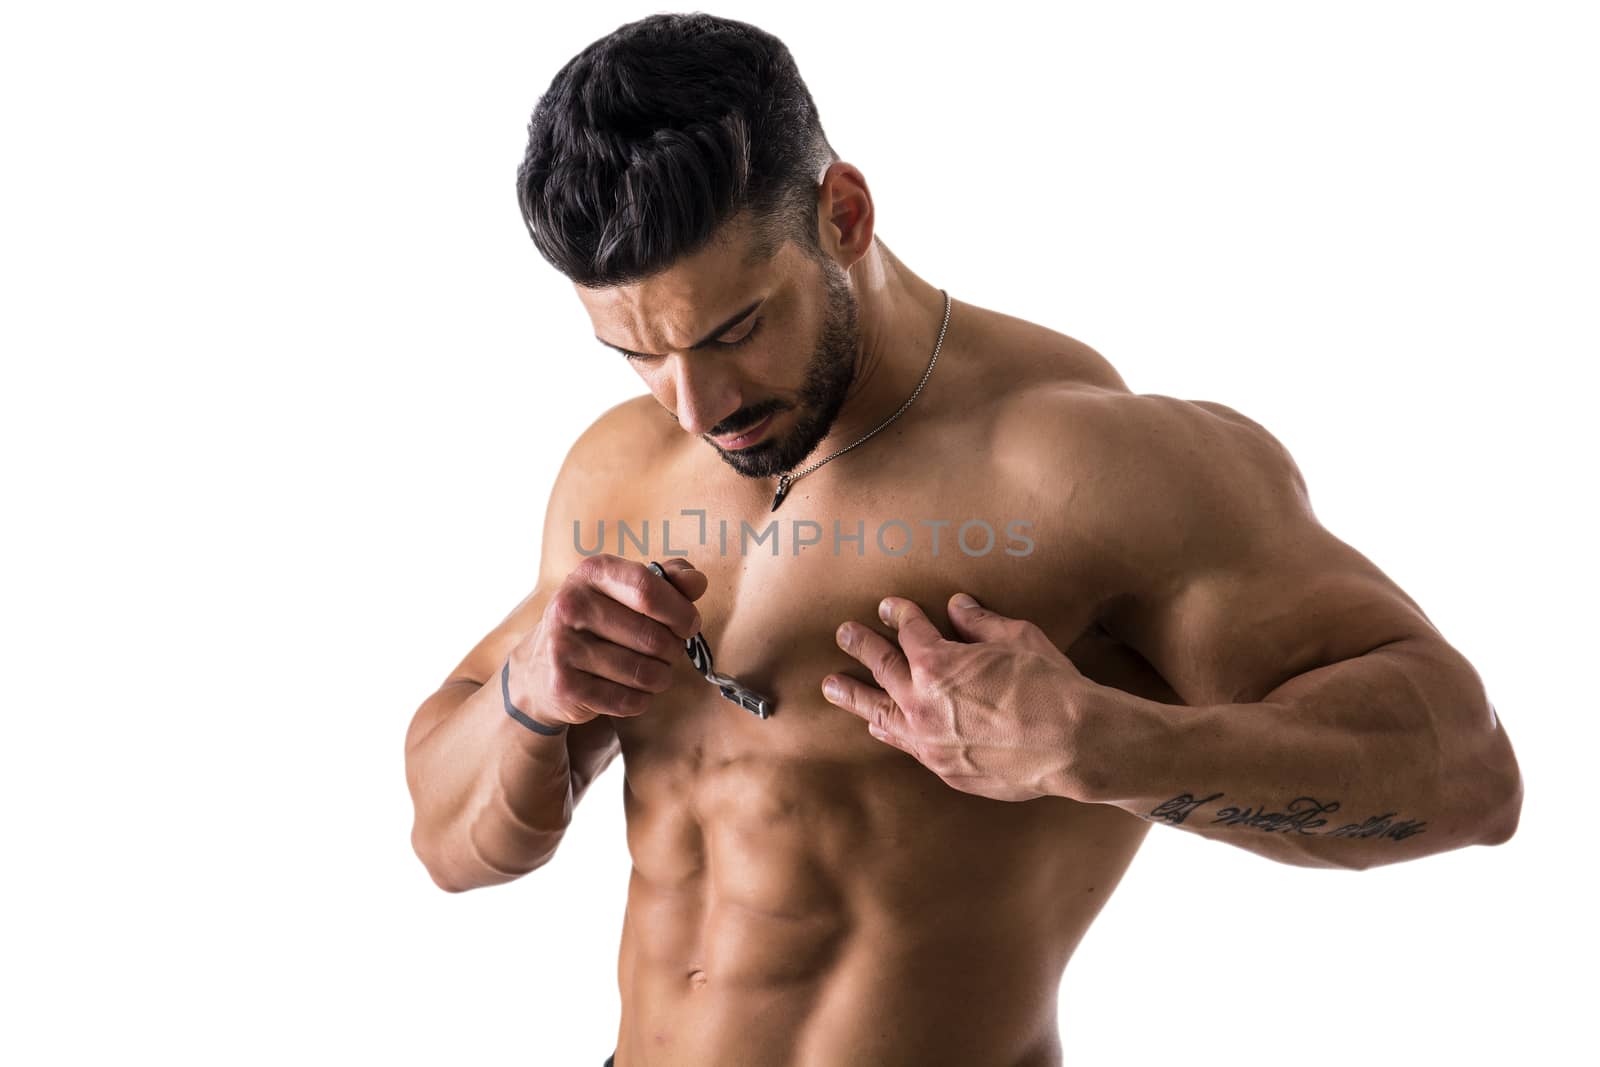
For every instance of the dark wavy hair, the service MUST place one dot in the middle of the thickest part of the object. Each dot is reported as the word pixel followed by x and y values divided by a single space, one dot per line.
pixel 657 134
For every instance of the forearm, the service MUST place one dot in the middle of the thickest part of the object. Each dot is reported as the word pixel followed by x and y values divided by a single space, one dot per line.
pixel 1376 760
pixel 491 797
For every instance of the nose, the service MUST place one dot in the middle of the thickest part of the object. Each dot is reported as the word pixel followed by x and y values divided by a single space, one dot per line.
pixel 702 396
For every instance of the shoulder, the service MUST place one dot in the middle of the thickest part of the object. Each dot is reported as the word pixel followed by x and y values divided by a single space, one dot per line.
pixel 618 450
pixel 1150 441
pixel 602 467
pixel 1065 431
pixel 611 448
pixel 1155 486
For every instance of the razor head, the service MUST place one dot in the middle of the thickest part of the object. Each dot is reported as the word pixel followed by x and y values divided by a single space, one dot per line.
pixel 748 699
pixel 700 656
pixel 728 686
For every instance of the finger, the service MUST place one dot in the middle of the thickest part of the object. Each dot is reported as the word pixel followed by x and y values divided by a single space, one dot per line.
pixel 915 631
pixel 973 622
pixel 617 623
pixel 877 653
pixel 580 689
pixel 636 586
pixel 890 738
pixel 864 701
pixel 685 578
pixel 608 660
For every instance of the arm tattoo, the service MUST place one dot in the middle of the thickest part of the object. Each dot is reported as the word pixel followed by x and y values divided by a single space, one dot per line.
pixel 1300 818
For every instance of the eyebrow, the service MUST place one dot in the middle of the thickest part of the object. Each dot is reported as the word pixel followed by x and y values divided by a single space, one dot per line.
pixel 704 342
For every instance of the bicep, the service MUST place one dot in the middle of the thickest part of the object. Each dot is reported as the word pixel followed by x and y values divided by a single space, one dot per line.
pixel 1235 586
pixel 1233 633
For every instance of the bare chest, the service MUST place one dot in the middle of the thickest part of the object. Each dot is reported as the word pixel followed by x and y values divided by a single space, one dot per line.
pixel 781 582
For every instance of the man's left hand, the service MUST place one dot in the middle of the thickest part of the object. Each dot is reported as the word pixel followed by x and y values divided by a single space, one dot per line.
pixel 997 712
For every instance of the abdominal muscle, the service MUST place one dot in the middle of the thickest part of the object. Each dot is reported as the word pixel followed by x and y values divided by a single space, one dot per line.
pixel 842 905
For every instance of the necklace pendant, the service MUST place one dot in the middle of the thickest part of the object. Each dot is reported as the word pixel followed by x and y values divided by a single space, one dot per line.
pixel 783 491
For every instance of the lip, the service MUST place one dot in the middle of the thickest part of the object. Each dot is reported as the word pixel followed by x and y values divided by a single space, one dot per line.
pixel 744 440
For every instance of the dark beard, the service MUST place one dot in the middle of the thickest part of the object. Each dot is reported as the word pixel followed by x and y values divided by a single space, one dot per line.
pixel 829 375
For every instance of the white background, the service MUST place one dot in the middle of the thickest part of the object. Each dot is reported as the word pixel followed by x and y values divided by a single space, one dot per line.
pixel 286 386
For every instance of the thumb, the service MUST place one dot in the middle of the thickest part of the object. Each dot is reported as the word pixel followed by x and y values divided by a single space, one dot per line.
pixel 691 583
pixel 973 622
pixel 685 578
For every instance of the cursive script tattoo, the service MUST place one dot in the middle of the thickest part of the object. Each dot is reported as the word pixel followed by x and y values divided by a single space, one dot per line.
pixel 1380 826
pixel 1302 817
pixel 1179 807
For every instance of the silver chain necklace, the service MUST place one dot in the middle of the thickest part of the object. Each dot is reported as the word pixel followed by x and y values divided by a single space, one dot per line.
pixel 786 480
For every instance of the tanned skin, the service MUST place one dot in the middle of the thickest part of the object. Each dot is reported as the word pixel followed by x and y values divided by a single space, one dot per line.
pixel 802 893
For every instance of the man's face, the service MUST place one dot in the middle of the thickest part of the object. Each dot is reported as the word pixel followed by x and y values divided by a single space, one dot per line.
pixel 782 369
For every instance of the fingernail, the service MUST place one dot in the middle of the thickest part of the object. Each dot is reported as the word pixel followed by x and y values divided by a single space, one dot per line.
pixel 962 600
pixel 842 635
pixel 830 689
pixel 883 610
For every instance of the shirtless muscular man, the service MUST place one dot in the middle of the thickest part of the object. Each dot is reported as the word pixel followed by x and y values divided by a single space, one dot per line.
pixel 897 874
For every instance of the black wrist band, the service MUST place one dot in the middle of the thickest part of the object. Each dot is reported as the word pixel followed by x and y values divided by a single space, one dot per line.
pixel 505 693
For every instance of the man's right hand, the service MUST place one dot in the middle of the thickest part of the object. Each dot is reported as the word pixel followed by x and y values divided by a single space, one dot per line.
pixel 609 640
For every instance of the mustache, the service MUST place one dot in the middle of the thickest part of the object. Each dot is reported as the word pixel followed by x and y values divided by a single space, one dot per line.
pixel 733 426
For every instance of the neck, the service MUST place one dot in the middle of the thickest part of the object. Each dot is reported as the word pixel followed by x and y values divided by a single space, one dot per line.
pixel 899 316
